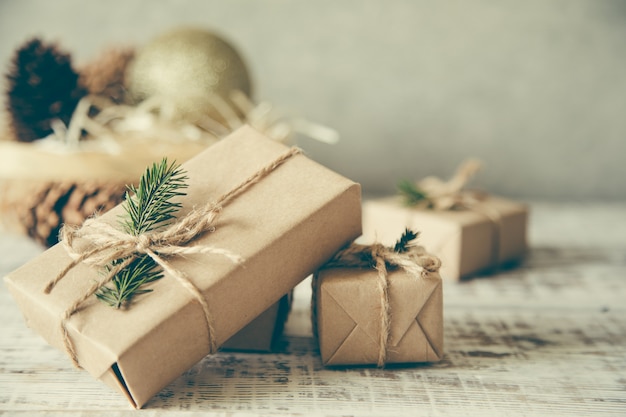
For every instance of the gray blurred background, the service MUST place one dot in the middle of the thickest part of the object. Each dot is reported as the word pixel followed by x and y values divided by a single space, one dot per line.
pixel 536 89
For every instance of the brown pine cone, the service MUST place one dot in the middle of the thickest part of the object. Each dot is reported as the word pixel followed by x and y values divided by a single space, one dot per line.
pixel 104 76
pixel 58 203
pixel 42 87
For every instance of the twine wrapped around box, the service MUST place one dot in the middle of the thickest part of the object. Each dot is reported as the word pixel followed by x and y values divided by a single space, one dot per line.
pixel 470 231
pixel 108 244
pixel 415 261
pixel 141 349
pixel 439 195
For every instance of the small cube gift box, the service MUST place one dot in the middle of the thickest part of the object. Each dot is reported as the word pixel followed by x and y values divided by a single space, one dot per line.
pixel 263 333
pixel 376 305
pixel 258 218
pixel 470 231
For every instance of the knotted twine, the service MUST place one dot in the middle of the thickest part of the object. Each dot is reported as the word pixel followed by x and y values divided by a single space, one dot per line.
pixel 108 244
pixel 451 195
pixel 416 262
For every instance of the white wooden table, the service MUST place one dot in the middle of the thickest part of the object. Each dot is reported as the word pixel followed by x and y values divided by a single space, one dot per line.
pixel 548 338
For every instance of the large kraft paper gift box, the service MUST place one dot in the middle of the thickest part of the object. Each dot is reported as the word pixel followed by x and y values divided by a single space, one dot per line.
pixel 263 333
pixel 356 324
pixel 468 241
pixel 283 227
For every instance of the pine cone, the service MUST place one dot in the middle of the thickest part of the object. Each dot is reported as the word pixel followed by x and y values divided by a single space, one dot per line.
pixel 58 203
pixel 42 86
pixel 105 75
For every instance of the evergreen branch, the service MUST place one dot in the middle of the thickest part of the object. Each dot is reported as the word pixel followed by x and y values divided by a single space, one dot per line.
pixel 403 244
pixel 151 205
pixel 411 193
pixel 148 209
pixel 127 282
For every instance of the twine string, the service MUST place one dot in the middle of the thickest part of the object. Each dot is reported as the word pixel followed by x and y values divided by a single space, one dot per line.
pixel 450 195
pixel 385 314
pixel 108 244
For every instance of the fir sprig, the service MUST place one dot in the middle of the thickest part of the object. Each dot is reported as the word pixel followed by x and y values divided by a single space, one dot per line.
pixel 150 207
pixel 404 243
pixel 412 194
pixel 128 282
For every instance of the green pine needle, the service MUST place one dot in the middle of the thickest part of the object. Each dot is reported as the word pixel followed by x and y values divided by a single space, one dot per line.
pixel 404 243
pixel 412 194
pixel 128 282
pixel 149 208
pixel 151 205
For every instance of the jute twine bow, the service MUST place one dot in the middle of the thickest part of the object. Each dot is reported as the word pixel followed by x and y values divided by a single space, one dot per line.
pixel 108 244
pixel 451 195
pixel 416 262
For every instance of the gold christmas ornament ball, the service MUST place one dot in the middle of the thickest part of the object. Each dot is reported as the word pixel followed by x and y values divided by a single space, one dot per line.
pixel 185 68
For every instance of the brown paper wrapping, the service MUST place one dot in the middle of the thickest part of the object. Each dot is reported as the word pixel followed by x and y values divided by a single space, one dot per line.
pixel 466 241
pixel 263 333
pixel 285 227
pixel 348 311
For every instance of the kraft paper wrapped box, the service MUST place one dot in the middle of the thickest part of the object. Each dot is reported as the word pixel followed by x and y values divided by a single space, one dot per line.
pixel 468 241
pixel 346 311
pixel 284 227
pixel 263 333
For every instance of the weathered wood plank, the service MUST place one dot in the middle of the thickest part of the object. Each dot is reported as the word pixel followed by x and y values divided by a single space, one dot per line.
pixel 546 338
